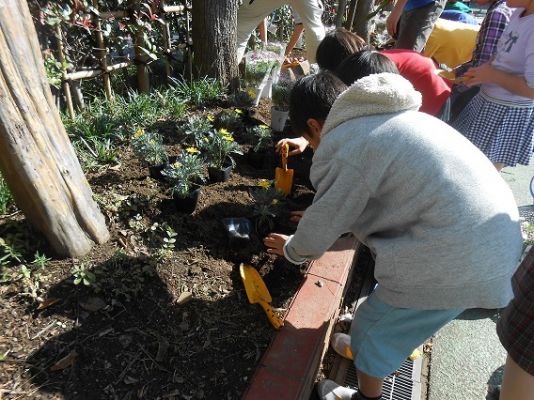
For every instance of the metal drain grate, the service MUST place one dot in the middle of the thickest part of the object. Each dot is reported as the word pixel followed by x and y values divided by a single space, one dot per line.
pixel 403 385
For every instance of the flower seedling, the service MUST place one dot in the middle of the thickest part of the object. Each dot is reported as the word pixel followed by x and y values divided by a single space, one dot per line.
pixel 219 148
pixel 281 93
pixel 148 146
pixel 194 130
pixel 184 174
pixel 261 138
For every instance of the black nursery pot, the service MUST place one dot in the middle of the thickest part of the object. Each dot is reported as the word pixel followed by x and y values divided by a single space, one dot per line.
pixel 187 204
pixel 238 231
pixel 154 171
pixel 220 175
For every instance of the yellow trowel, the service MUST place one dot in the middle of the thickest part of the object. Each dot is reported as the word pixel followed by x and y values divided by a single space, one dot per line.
pixel 257 293
pixel 283 177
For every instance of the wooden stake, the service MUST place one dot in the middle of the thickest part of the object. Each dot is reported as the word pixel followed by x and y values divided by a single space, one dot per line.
pixel 340 13
pixel 65 83
pixel 143 80
pixel 102 53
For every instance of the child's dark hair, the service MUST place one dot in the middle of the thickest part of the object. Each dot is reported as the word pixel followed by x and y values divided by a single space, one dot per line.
pixel 336 46
pixel 364 63
pixel 313 97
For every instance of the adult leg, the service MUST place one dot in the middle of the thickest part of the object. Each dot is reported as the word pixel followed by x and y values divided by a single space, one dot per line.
pixel 415 26
pixel 310 12
pixel 248 18
pixel 517 383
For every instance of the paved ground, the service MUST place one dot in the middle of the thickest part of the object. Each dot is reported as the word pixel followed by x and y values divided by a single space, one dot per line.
pixel 466 354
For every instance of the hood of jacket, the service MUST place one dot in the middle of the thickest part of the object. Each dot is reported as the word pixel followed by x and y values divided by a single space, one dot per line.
pixel 383 93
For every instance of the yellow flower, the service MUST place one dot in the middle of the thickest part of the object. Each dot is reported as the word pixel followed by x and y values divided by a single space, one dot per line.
pixel 224 132
pixel 274 202
pixel 192 150
pixel 264 183
pixel 210 118
pixel 263 126
pixel 251 93
pixel 177 164
pixel 238 111
pixel 139 132
pixel 228 138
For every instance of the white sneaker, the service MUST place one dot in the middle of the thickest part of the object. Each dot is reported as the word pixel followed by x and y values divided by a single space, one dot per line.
pixel 340 342
pixel 330 390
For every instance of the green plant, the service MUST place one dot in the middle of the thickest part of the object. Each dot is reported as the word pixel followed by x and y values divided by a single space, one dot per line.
pixel 267 205
pixel 105 152
pixel 148 146
pixel 169 241
pixel 229 120
pixel 244 98
pixel 199 92
pixel 82 275
pixel 261 137
pixel 54 71
pixel 281 93
pixel 219 148
pixel 255 71
pixel 6 199
pixel 185 173
pixel 194 130
pixel 40 260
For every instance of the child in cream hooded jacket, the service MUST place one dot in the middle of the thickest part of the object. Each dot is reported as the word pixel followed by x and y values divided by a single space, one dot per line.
pixel 440 220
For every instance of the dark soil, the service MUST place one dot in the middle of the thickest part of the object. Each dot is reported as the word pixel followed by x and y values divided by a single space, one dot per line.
pixel 177 326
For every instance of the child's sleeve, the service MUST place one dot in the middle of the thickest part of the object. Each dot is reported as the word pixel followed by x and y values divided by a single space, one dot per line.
pixel 488 37
pixel 341 196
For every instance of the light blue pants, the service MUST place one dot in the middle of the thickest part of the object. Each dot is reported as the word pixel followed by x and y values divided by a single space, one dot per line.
pixel 383 336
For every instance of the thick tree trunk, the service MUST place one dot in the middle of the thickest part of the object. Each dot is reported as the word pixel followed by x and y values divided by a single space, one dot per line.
pixel 36 156
pixel 361 20
pixel 214 39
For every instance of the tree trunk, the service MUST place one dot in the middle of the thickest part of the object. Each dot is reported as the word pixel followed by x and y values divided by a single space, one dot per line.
pixel 36 156
pixel 361 20
pixel 214 39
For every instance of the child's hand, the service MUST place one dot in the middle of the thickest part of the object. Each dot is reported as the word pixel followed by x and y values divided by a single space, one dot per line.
pixel 275 243
pixel 296 146
pixel 296 216
pixel 479 75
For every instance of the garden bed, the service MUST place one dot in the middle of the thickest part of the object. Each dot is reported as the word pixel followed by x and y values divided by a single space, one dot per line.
pixel 159 318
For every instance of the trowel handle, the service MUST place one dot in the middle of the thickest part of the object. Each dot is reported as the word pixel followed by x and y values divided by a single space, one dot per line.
pixel 284 152
pixel 275 321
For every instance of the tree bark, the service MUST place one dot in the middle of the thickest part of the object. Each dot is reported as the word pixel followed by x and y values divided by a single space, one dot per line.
pixel 37 159
pixel 361 20
pixel 214 39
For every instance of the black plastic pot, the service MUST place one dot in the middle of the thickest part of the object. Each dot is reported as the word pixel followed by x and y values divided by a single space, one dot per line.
pixel 220 175
pixel 154 171
pixel 238 231
pixel 187 204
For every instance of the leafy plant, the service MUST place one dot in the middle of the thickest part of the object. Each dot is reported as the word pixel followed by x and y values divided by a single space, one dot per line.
pixel 169 241
pixel 199 92
pixel 185 173
pixel 40 260
pixel 194 130
pixel 229 120
pixel 255 71
pixel 219 148
pixel 148 146
pixel 82 275
pixel 54 71
pixel 281 93
pixel 244 98
pixel 6 199
pixel 266 208
pixel 261 137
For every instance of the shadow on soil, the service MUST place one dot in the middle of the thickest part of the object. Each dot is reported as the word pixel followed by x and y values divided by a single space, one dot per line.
pixel 132 339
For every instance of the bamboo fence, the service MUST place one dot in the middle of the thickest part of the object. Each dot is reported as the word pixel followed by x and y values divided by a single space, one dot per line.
pixel 140 61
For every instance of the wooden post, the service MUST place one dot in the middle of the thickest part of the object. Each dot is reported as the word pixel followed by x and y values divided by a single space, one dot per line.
pixel 37 159
pixel 360 25
pixel 143 79
pixel 65 83
pixel 340 13
pixel 188 52
pixel 352 13
pixel 167 49
pixel 102 53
